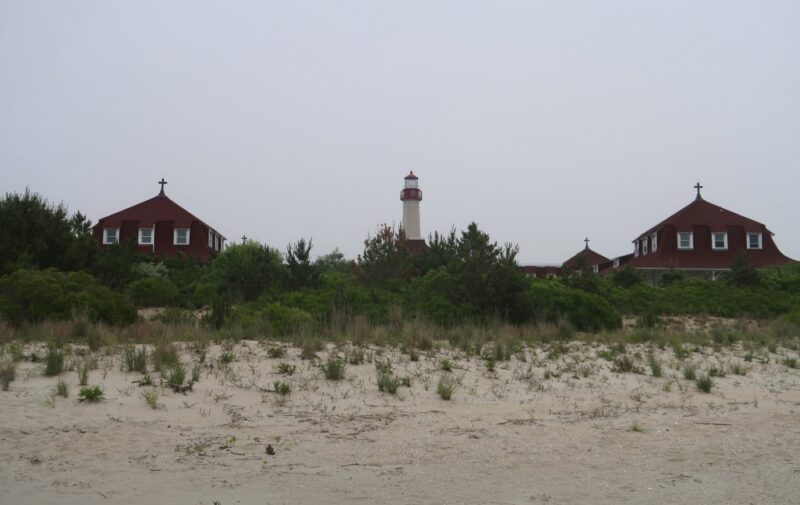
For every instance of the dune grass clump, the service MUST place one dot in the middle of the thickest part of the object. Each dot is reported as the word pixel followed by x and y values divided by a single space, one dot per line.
pixel 285 368
pixel 704 383
pixel 8 372
pixel 625 364
pixel 164 356
pixel 655 367
pixel 177 377
pixel 446 365
pixel 151 396
pixel 282 388
pixel 738 369
pixel 62 389
pixel 83 373
pixel 333 369
pixel 276 352
pixel 446 386
pixel 356 356
pixel 689 373
pixel 135 360
pixel 91 394
pixel 53 361
pixel 790 362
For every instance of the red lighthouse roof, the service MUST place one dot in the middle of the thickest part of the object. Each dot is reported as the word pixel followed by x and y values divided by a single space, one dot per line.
pixel 411 175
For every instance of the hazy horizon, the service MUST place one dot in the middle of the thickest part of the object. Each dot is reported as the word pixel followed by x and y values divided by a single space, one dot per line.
pixel 543 122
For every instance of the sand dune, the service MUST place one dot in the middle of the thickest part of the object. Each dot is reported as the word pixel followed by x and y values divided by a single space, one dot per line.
pixel 585 434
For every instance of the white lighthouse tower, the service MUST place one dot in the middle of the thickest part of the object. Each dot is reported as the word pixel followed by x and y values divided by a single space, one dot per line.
pixel 411 196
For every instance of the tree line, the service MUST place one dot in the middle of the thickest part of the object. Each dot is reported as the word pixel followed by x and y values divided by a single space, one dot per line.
pixel 52 268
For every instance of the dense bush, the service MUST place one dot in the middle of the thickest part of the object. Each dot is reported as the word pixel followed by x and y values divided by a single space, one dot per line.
pixel 267 318
pixel 37 295
pixel 246 271
pixel 553 302
pixel 152 292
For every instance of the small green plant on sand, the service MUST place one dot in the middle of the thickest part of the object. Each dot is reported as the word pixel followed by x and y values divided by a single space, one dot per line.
pixel 276 352
pixel 689 374
pixel 284 368
pixel 90 394
pixel 151 396
pixel 655 367
pixel 53 361
pixel 387 382
pixel 62 389
pixel 446 365
pixel 704 383
pixel 446 386
pixel 282 388
pixel 8 372
pixel 83 373
pixel 333 369
pixel 135 360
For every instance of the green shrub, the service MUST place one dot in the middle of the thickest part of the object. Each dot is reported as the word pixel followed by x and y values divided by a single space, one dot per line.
pixel 655 367
pixel 83 373
pixel 689 373
pixel 33 296
pixel 176 377
pixel 152 292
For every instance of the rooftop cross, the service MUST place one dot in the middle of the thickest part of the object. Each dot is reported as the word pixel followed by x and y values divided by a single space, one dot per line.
pixel 587 242
pixel 698 187
pixel 162 182
pixel 244 239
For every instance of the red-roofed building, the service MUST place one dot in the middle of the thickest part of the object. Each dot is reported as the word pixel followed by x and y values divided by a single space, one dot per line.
pixel 705 238
pixel 593 259
pixel 162 227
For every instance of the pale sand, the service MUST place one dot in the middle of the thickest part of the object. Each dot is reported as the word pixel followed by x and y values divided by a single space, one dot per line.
pixel 504 438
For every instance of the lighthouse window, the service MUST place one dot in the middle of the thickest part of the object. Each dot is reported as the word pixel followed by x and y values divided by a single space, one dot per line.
pixel 754 241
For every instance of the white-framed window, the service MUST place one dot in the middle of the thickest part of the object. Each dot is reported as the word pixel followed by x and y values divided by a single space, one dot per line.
pixel 644 246
pixel 110 235
pixel 211 239
pixel 719 241
pixel 181 236
pixel 754 241
pixel 654 242
pixel 635 248
pixel 595 268
pixel 145 236
pixel 616 262
pixel 685 240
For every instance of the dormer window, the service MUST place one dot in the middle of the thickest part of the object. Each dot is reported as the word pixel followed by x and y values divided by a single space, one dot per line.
pixel 654 242
pixel 685 240
pixel 145 236
pixel 110 235
pixel 616 262
pixel 635 248
pixel 595 268
pixel 211 239
pixel 754 241
pixel 644 246
pixel 719 241
pixel 181 236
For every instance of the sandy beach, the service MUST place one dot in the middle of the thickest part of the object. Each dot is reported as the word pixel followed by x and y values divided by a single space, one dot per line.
pixel 558 427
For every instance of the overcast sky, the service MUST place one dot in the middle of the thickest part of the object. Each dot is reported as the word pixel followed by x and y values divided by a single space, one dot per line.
pixel 544 122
